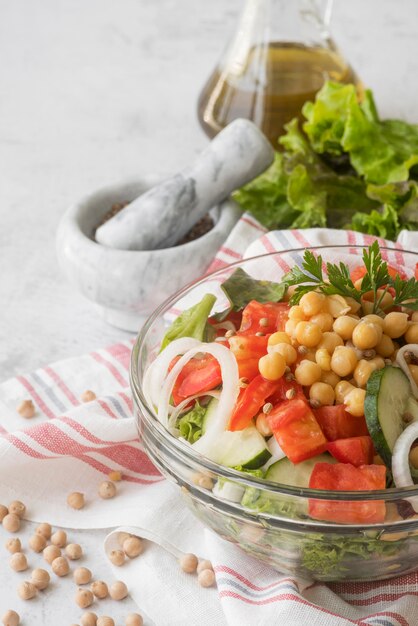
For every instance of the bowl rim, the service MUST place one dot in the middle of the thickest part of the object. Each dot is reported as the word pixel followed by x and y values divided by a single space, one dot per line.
pixel 247 480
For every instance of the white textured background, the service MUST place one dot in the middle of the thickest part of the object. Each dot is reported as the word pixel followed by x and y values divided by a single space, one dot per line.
pixel 94 91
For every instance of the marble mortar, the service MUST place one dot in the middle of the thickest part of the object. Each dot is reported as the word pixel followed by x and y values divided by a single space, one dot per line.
pixel 129 284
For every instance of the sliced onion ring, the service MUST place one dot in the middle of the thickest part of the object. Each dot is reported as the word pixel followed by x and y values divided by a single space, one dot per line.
pixel 177 410
pixel 400 456
pixel 403 364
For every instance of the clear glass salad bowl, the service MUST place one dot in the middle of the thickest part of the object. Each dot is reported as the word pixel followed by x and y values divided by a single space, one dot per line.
pixel 269 520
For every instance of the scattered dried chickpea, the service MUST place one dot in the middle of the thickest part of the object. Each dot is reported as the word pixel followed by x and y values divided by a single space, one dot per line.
pixel 13 545
pixel 308 334
pixel 59 538
pixel 60 566
pixel 37 543
pixel 74 551
pixel 395 324
pixel 84 598
pixel 103 620
pixel 18 562
pixel 50 553
pixel 188 563
pixel 3 512
pixel 10 618
pixel 17 508
pixel 323 358
pixel 40 578
pixel 330 341
pixel 344 326
pixel 205 564
pixel 286 350
pixel 307 373
pixel 278 337
pixel 45 530
pixel 134 619
pixel 343 360
pixel 312 303
pixel 11 523
pixel 99 589
pixel 88 619
pixel 118 590
pixel 331 378
pixel 411 335
pixel 27 590
pixel 115 475
pixel 107 490
pixel 385 347
pixel 323 320
pixel 76 500
pixel 82 576
pixel 117 557
pixel 206 578
pixel 88 396
pixel 26 409
pixel 354 402
pixel 341 390
pixel 272 366
pixel 322 394
pixel 262 425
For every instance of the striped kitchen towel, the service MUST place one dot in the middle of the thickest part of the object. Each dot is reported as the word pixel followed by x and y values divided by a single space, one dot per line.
pixel 71 446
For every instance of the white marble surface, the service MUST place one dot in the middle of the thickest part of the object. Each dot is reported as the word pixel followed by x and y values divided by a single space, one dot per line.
pixel 95 91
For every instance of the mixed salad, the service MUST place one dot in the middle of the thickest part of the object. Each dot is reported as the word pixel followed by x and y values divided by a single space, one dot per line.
pixel 310 382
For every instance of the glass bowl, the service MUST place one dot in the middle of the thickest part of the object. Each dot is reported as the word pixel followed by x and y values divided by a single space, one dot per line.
pixel 268 520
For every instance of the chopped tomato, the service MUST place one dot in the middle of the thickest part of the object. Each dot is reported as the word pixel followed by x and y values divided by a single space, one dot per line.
pixel 197 376
pixel 248 346
pixel 355 450
pixel 248 368
pixel 359 271
pixel 250 402
pixel 296 430
pixel 336 423
pixel 266 318
pixel 346 477
pixel 416 271
pixel 234 316
pixel 283 386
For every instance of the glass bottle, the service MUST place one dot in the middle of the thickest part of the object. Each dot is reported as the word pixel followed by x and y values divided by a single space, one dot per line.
pixel 280 56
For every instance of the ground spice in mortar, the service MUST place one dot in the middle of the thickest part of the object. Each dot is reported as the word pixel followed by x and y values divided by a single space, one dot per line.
pixel 201 227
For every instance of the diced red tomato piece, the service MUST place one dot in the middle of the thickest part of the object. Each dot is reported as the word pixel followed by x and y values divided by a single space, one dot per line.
pixel 234 316
pixel 346 477
pixel 273 314
pixel 283 386
pixel 197 376
pixel 296 429
pixel 416 271
pixel 248 368
pixel 355 450
pixel 248 346
pixel 359 271
pixel 336 423
pixel 250 402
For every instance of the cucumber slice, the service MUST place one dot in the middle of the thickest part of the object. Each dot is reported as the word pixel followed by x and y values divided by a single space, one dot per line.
pixel 296 475
pixel 242 448
pixel 210 414
pixel 227 490
pixel 389 407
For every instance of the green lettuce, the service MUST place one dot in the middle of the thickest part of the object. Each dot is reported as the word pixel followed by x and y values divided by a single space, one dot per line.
pixel 190 425
pixel 240 288
pixel 191 323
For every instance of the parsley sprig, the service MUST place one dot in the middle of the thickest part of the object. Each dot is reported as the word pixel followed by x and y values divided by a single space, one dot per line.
pixel 376 279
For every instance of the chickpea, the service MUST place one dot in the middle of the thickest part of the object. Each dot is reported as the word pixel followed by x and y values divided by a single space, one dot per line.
pixel 59 538
pixel 82 576
pixel 40 578
pixel 3 512
pixel 60 566
pixel 344 326
pixel 11 523
pixel 286 350
pixel 206 578
pixel 414 372
pixel 76 500
pixel 343 361
pixel 27 590
pixel 88 396
pixel 107 490
pixel 323 320
pixel 103 620
pixel 115 476
pixel 353 304
pixel 386 299
pixel 307 373
pixel 322 394
pixel 99 589
pixel 188 563
pixel 26 409
pixel 13 545
pixel 74 551
pixel 385 347
pixel 11 618
pixel 308 334
pixel 290 327
pixel 262 425
pixel 51 553
pixel 414 316
pixel 84 598
pixel 312 303
pixel 331 378
pixel 378 362
pixel 330 341
pixel 337 305
pixel 18 562
pixel 45 530
pixel 272 366
pixel 118 590
pixel 205 564
pixel 366 335
pixel 363 372
pixel 17 508
pixel 395 324
pixel 323 358
pixel 134 619
pixel 37 543
pixel 117 557
pixel 342 389
pixel 132 547
pixel 88 619
pixel 296 313
pixel 354 402
pixel 279 337
pixel 411 335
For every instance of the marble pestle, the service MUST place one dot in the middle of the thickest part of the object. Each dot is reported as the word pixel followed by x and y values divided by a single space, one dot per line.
pixel 164 214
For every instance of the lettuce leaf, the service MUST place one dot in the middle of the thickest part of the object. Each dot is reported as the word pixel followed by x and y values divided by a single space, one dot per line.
pixel 191 323
pixel 240 288
pixel 190 425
